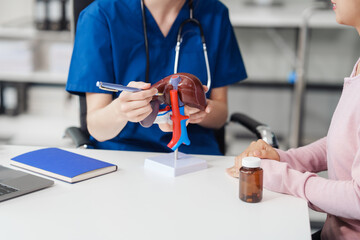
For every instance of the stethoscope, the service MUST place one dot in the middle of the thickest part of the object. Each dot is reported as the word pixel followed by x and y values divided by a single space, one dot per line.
pixel 179 40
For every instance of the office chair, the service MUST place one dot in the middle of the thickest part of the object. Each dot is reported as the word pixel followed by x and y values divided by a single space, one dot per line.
pixel 80 135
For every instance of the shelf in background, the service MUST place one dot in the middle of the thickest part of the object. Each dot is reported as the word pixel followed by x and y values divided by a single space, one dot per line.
pixel 286 15
pixel 318 86
pixel 31 33
pixel 38 77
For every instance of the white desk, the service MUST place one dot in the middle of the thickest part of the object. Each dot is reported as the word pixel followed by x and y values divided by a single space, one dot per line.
pixel 134 203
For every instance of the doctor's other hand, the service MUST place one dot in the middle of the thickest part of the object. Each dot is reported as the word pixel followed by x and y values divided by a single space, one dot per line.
pixel 135 106
pixel 196 115
pixel 259 149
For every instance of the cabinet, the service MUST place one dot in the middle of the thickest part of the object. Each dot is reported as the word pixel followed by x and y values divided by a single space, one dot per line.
pixel 38 57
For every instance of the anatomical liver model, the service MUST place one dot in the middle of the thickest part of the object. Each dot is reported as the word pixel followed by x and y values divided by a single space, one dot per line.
pixel 190 92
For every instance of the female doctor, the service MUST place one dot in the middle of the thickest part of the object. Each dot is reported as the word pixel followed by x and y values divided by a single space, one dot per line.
pixel 132 42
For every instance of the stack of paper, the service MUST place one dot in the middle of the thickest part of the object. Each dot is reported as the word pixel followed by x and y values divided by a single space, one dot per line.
pixel 59 57
pixel 16 56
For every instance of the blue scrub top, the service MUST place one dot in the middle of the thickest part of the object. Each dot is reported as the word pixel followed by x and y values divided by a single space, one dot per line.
pixel 109 47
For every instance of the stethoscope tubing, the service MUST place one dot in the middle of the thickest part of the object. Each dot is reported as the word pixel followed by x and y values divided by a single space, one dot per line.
pixel 178 44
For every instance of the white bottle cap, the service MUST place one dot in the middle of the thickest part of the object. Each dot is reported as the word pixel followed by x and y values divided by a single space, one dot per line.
pixel 251 162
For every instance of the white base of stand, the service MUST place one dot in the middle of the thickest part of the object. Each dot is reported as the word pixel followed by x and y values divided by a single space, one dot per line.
pixel 166 164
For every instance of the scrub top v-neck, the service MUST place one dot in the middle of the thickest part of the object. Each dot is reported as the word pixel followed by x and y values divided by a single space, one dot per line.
pixel 109 47
pixel 152 24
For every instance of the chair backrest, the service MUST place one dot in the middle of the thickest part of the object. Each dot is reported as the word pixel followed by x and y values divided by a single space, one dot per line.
pixel 220 138
pixel 78 6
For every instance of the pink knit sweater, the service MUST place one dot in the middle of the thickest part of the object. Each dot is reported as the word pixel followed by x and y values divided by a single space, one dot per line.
pixel 339 153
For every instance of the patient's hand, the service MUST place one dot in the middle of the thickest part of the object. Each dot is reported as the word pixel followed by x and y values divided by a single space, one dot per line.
pixel 258 149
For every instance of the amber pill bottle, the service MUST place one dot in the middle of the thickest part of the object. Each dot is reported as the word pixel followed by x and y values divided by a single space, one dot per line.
pixel 251 180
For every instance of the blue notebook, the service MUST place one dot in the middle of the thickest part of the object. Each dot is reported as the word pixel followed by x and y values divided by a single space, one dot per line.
pixel 61 164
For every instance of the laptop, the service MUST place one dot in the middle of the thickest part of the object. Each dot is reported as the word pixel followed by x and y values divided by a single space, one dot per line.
pixel 14 183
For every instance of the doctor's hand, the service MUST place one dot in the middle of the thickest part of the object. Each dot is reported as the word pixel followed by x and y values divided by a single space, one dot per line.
pixel 135 106
pixel 259 149
pixel 195 116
